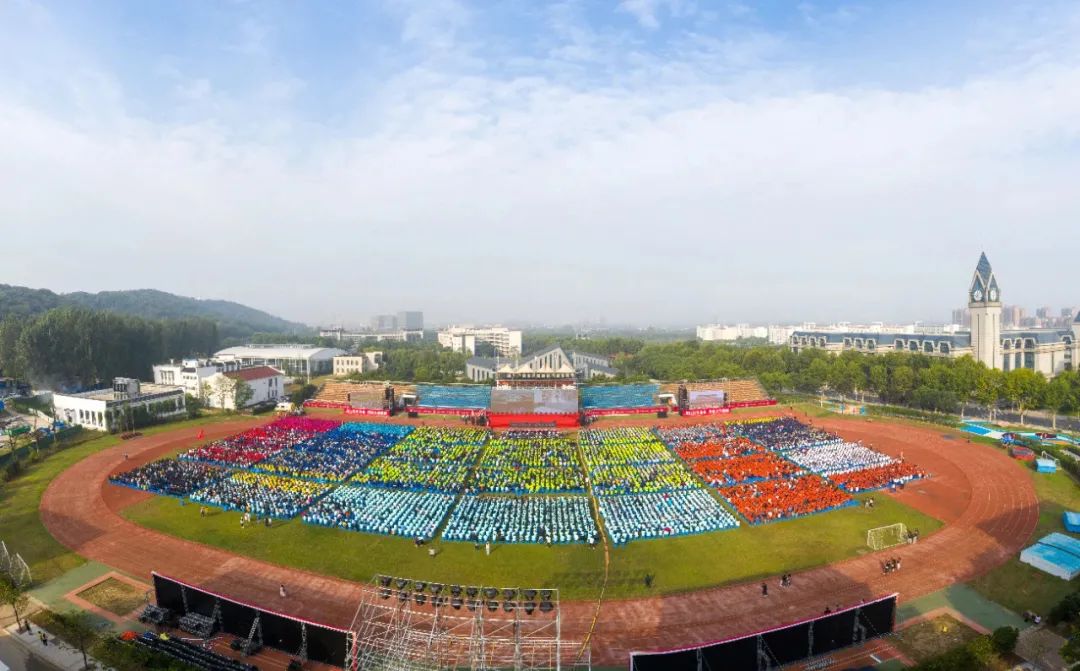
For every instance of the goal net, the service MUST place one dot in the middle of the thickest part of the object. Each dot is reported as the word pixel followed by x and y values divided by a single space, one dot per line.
pixel 886 537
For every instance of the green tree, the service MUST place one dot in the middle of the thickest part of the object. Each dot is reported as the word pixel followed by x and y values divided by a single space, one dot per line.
pixel 1024 389
pixel 302 394
pixel 194 406
pixel 79 631
pixel 1056 397
pixel 901 383
pixel 966 376
pixel 879 380
pixel 990 391
pixel 1004 639
pixel 242 393
pixel 14 595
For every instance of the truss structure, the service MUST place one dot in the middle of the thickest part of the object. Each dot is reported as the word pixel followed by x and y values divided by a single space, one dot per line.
pixel 403 624
pixel 13 566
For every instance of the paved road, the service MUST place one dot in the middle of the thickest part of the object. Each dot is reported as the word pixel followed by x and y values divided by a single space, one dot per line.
pixel 16 657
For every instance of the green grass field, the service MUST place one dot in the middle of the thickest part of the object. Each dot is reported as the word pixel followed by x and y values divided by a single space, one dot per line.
pixel 1018 586
pixel 20 523
pixel 679 564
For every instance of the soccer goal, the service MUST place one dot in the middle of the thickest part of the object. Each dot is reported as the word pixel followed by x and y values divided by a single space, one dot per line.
pixel 886 537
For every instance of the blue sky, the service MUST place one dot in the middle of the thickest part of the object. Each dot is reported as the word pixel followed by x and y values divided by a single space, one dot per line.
pixel 648 161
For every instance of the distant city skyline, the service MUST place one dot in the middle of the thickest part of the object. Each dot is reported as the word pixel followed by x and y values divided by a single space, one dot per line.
pixel 666 163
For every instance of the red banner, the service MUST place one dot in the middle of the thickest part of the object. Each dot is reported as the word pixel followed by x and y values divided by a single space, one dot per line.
pixel 702 412
pixel 432 410
pixel 753 404
pixel 315 403
pixel 368 412
pixel 607 412
pixel 558 420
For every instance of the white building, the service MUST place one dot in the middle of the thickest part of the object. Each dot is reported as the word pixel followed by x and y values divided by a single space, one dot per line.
pixel 115 409
pixel 362 362
pixel 341 335
pixel 191 374
pixel 1047 351
pixel 551 362
pixel 294 360
pixel 267 385
pixel 776 335
pixel 506 342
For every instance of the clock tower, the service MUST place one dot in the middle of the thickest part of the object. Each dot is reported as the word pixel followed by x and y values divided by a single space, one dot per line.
pixel 984 303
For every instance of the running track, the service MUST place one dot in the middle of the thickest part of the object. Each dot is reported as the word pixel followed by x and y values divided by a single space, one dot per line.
pixel 985 498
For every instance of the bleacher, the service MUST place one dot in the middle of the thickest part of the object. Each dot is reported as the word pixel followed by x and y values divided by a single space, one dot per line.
pixel 737 391
pixel 464 396
pixel 338 393
pixel 618 396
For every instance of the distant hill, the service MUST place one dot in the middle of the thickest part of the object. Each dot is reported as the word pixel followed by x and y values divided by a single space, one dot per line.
pixel 234 320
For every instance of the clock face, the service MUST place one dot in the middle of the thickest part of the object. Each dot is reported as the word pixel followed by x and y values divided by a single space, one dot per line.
pixel 993 294
pixel 978 294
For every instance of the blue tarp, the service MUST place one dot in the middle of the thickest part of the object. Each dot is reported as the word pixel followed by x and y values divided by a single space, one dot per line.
pixel 1045 465
pixel 1056 554
pixel 1072 522
pixel 458 396
pixel 619 396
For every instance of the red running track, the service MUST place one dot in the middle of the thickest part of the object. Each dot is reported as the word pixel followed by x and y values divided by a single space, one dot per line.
pixel 986 499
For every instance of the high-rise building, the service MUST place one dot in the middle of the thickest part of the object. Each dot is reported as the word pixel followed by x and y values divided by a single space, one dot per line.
pixel 962 317
pixel 1012 315
pixel 410 320
pixel 384 323
pixel 1043 313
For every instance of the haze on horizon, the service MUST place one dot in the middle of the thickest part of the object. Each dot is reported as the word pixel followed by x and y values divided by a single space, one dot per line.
pixel 643 161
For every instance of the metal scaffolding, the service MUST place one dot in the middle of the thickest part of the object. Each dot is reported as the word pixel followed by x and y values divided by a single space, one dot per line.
pixel 403 624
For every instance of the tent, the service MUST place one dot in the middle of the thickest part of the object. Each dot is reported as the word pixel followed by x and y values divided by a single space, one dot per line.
pixel 1057 554
pixel 1072 522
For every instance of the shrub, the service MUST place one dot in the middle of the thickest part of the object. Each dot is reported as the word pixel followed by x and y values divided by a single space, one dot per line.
pixel 1067 610
pixel 1004 639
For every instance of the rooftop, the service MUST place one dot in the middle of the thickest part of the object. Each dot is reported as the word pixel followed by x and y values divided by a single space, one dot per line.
pixel 280 351
pixel 145 389
pixel 254 373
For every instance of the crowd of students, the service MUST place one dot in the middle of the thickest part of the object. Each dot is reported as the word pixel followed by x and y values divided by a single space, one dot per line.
pixel 444 475
pixel 411 514
pixel 748 468
pixel 772 500
pixel 171 477
pixel 784 433
pixel 641 478
pixel 632 445
pixel 638 516
pixel 835 458
pixel 724 447
pixel 520 485
pixel 893 474
pixel 261 494
pixel 428 459
pixel 529 462
pixel 529 519
pixel 252 446
pixel 334 455
pixel 432 444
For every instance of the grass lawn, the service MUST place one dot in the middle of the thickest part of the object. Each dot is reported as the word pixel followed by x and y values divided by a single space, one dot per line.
pixel 930 638
pixel 20 524
pixel 119 598
pixel 678 564
pixel 1018 586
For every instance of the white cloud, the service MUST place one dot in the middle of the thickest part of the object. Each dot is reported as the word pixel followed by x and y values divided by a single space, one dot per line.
pixel 669 193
